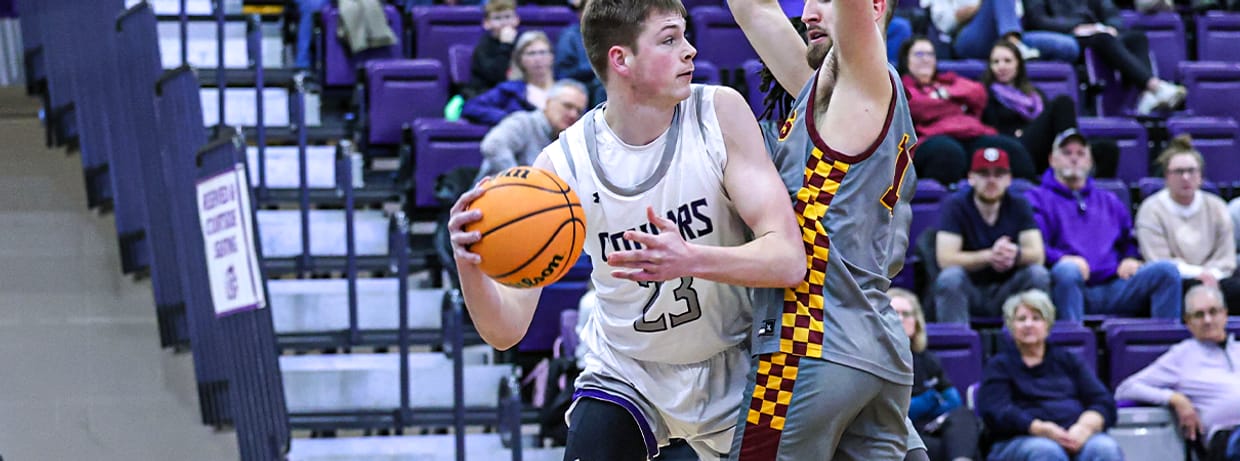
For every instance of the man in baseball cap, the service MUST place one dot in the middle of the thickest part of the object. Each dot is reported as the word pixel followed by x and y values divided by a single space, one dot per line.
pixel 1095 265
pixel 1070 134
pixel 988 245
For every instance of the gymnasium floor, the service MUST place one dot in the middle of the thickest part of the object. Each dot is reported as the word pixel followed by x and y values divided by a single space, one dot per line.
pixel 81 372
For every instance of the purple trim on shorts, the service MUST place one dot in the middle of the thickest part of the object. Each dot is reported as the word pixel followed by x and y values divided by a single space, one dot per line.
pixel 652 446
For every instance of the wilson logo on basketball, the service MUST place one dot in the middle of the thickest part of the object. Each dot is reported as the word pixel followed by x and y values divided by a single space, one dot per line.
pixel 542 276
pixel 786 128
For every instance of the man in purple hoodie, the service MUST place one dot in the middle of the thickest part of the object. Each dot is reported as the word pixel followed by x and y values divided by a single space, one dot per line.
pixel 1088 233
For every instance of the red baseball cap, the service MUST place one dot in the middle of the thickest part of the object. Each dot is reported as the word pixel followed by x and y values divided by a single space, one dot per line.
pixel 988 158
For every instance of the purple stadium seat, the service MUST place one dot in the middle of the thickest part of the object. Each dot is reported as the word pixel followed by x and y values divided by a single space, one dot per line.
pixel 440 146
pixel 1117 187
pixel 549 19
pixel 1213 88
pixel 580 271
pixel 705 72
pixel 547 322
pixel 1132 346
pixel 460 60
pixel 1079 339
pixel 929 191
pixel 1116 98
pixel 1148 186
pixel 1132 139
pixel 925 216
pixel 1218 140
pixel 718 39
pixel 1021 185
pixel 437 28
pixel 753 86
pixel 960 351
pixel 400 90
pixel 968 68
pixel 1217 32
pixel 1165 31
pixel 691 4
pixel 339 65
pixel 1054 79
pixel 568 332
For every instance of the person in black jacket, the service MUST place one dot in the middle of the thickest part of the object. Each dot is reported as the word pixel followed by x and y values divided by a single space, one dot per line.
pixel 949 429
pixel 1016 108
pixel 1096 25
pixel 489 65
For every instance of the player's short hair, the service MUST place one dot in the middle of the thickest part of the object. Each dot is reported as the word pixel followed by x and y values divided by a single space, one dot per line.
pixel 499 6
pixel 1033 299
pixel 564 84
pixel 608 23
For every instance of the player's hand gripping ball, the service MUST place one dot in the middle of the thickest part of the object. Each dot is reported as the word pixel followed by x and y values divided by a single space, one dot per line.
pixel 532 227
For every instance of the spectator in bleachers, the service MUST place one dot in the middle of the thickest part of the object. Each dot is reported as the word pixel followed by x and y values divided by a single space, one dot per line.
pixel 1159 6
pixel 305 30
pixel 1019 109
pixel 975 24
pixel 1188 226
pixel 898 31
pixel 1234 209
pixel 519 138
pixel 1088 234
pixel 532 78
pixel 946 109
pixel 949 429
pixel 489 65
pixel 1197 378
pixel 571 60
pixel 1040 402
pixel 987 245
pixel 1096 25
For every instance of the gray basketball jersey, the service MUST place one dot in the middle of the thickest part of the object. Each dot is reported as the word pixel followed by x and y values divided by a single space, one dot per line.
pixel 680 175
pixel 854 214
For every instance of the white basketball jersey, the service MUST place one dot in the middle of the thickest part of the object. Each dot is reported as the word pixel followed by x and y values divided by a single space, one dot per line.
pixel 680 175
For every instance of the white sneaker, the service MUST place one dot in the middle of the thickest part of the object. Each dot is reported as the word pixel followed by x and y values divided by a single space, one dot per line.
pixel 1027 52
pixel 1171 95
pixel 1148 102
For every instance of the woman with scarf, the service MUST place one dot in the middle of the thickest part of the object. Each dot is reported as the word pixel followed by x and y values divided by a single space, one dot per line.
pixel 946 109
pixel 1016 108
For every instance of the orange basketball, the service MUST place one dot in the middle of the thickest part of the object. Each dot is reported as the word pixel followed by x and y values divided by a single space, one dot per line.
pixel 532 227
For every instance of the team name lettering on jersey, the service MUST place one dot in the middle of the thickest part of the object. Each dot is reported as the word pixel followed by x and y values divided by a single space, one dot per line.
pixel 690 218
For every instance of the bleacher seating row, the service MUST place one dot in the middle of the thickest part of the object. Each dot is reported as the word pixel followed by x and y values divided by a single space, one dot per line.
pixel 143 146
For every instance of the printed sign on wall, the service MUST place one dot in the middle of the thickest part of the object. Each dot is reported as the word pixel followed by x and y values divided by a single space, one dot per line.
pixel 228 237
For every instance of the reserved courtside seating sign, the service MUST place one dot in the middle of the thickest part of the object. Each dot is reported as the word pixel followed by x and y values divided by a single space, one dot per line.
pixel 228 237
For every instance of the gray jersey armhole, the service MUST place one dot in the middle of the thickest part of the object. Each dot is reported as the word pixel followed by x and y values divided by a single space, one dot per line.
pixel 568 155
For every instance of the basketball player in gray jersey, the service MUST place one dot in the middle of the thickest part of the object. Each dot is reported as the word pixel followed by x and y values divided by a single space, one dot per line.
pixel 833 370
pixel 671 176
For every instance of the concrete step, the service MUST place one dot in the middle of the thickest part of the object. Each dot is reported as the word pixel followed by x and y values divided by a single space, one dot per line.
pixel 322 305
pixel 478 447
pixel 280 231
pixel 360 382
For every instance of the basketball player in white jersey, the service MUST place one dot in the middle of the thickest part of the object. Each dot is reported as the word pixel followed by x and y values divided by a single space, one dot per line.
pixel 832 374
pixel 678 190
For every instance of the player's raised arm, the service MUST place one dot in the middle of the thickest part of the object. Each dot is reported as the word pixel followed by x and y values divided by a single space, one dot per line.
pixel 501 314
pixel 862 48
pixel 775 40
pixel 862 91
